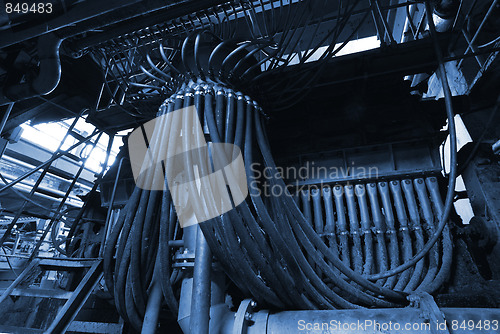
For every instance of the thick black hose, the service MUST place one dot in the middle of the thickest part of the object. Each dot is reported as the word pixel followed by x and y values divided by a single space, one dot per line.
pixel 311 235
pixel 452 176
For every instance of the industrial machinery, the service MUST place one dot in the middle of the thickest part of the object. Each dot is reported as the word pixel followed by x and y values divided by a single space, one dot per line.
pixel 288 166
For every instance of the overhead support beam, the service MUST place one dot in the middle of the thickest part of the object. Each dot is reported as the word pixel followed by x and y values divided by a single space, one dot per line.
pixel 399 59
pixel 96 14
pixel 85 11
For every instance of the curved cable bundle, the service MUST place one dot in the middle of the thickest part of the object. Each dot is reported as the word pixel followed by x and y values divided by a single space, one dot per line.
pixel 138 251
pixel 268 242
pixel 267 245
pixel 282 255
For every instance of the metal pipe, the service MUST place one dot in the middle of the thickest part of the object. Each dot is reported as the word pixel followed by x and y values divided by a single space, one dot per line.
pixel 49 75
pixel 444 14
pixel 390 321
pixel 496 147
pixel 200 299
pixel 89 10
pixel 150 323
pixel 185 300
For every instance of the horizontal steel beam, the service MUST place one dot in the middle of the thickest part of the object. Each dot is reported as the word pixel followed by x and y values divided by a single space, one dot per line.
pixel 86 10
pixel 96 14
pixel 42 293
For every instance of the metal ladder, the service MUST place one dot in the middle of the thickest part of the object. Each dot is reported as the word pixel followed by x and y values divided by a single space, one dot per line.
pixel 74 299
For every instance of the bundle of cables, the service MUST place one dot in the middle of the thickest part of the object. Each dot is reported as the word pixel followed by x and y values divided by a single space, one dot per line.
pixel 156 61
pixel 267 245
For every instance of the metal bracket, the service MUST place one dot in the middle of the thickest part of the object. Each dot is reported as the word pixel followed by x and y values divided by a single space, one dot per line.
pixel 430 311
pixel 243 316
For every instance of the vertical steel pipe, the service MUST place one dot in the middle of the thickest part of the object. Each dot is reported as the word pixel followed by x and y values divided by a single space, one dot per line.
pixel 200 300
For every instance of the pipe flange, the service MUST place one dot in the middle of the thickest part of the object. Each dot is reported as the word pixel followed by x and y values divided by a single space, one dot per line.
pixel 243 316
